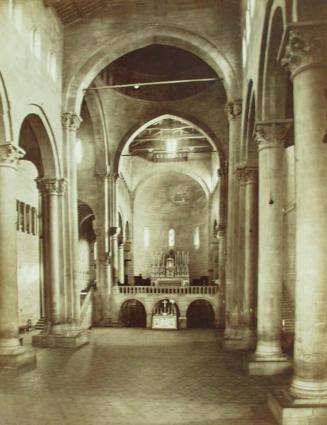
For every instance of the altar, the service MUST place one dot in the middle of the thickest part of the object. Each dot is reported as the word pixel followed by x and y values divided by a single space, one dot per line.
pixel 165 315
pixel 170 269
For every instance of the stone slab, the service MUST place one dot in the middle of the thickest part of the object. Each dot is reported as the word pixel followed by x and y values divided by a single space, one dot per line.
pixel 259 366
pixel 290 411
pixel 231 344
pixel 164 322
pixel 25 358
pixel 64 341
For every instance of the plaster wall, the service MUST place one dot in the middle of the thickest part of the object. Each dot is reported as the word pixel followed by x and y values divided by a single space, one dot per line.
pixel 155 207
pixel 28 249
pixel 27 80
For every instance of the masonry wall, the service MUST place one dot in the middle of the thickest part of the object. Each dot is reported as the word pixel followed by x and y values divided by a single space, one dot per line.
pixel 28 249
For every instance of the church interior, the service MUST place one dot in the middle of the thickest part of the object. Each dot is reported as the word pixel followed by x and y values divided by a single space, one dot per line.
pixel 163 222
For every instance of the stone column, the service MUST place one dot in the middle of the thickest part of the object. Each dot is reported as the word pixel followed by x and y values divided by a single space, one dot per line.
pixel 51 189
pixel 102 232
pixel 114 254
pixel 71 123
pixel 12 354
pixel 222 173
pixel 306 56
pixel 234 110
pixel 121 264
pixel 269 358
pixel 68 332
pixel 250 254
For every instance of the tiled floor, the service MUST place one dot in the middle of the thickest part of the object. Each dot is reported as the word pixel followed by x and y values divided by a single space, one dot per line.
pixel 136 377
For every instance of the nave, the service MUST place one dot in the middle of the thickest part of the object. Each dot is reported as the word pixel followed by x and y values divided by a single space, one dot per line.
pixel 137 377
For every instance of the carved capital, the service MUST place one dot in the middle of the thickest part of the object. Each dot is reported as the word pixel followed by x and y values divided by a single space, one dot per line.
pixel 51 186
pixel 233 109
pixel 70 121
pixel 113 177
pixel 306 47
pixel 272 134
pixel 221 232
pixel 222 172
pixel 114 232
pixel 10 154
pixel 250 175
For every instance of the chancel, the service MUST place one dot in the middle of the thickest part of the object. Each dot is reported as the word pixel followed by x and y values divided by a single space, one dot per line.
pixel 170 269
pixel 163 212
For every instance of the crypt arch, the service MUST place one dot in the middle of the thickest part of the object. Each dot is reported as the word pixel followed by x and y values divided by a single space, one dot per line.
pixel 200 313
pixel 132 313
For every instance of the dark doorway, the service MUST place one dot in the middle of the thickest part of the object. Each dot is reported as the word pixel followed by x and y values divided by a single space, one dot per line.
pixel 132 314
pixel 200 315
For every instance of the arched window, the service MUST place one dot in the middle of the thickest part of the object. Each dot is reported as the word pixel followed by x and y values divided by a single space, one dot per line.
pixel 196 237
pixel 171 238
pixel 18 16
pixel 36 42
pixel 146 237
pixel 52 65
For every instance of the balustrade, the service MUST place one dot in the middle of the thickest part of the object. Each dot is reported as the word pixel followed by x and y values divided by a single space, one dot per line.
pixel 158 290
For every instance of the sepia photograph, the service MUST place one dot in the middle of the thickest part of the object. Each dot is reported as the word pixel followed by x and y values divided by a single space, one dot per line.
pixel 163 212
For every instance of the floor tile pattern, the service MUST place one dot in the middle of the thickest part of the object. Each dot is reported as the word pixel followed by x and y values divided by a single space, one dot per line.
pixel 136 377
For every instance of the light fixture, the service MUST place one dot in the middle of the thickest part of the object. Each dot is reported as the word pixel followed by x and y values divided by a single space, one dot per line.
pixel 171 145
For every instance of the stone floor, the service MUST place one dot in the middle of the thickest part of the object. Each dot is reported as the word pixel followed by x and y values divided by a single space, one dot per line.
pixel 136 377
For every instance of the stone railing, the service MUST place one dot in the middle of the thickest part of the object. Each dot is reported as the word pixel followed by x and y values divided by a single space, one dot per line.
pixel 157 290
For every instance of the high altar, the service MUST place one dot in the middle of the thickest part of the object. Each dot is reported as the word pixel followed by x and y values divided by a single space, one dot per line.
pixel 170 269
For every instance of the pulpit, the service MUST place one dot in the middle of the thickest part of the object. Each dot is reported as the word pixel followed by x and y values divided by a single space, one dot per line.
pixel 170 269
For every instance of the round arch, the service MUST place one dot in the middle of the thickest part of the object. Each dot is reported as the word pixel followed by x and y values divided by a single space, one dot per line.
pixel 266 41
pixel 189 120
pixel 44 137
pixel 137 38
pixel 200 313
pixel 6 133
pixel 132 314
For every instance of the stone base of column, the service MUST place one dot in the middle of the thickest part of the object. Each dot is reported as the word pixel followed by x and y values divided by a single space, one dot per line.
pixel 182 322
pixel 290 411
pixel 265 365
pixel 239 339
pixel 63 336
pixel 13 355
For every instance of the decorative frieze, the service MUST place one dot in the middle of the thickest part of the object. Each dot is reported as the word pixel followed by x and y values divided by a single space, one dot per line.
pixel 51 186
pixel 272 134
pixel 234 109
pixel 71 121
pixel 306 47
pixel 10 154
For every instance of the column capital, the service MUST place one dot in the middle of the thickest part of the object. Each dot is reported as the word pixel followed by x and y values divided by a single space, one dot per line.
pixel 51 186
pixel 250 175
pixel 114 231
pixel 10 154
pixel 71 121
pixel 222 172
pixel 113 177
pixel 233 109
pixel 272 134
pixel 221 232
pixel 304 46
